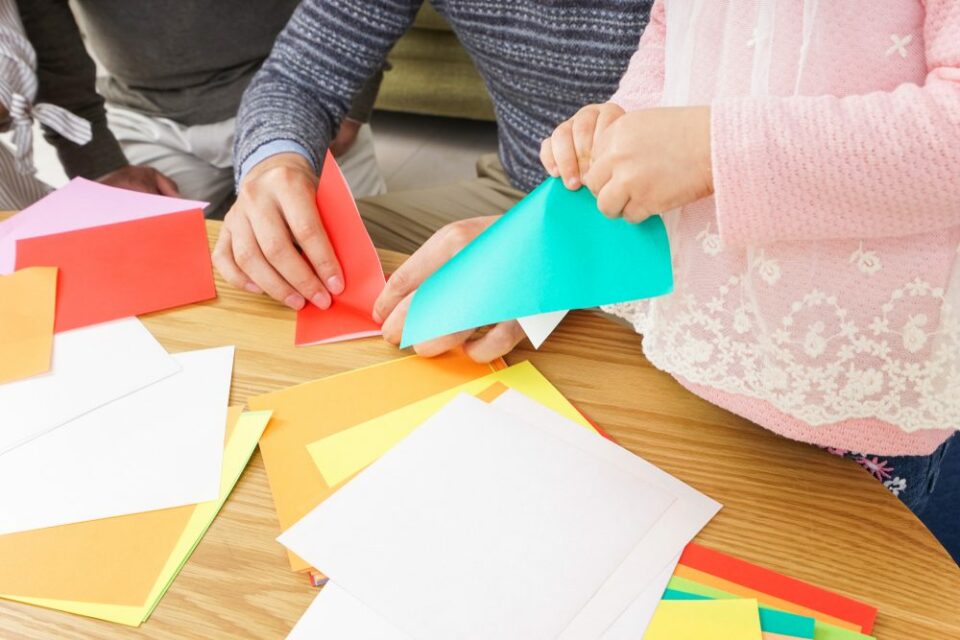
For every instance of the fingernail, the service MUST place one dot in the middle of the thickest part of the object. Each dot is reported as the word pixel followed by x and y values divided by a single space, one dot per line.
pixel 321 300
pixel 252 288
pixel 376 317
pixel 335 285
pixel 572 183
pixel 295 301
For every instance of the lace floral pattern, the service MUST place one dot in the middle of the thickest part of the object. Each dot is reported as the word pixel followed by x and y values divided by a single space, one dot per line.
pixel 813 361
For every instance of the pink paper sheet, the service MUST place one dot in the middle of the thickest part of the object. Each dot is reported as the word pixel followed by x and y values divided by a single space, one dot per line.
pixel 78 205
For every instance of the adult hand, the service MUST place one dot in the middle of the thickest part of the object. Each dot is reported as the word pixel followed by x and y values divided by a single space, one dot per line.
pixel 392 305
pixel 651 161
pixel 275 212
pixel 144 179
pixel 567 153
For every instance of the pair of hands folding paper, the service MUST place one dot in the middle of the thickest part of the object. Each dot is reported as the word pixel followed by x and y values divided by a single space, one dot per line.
pixel 554 251
pixel 351 313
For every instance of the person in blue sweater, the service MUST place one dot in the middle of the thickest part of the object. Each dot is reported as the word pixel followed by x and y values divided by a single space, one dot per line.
pixel 541 60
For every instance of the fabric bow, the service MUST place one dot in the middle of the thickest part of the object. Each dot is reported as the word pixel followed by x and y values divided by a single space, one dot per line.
pixel 22 113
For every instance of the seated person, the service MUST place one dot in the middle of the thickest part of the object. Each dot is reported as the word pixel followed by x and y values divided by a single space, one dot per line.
pixel 18 89
pixel 176 70
pixel 541 61
pixel 813 209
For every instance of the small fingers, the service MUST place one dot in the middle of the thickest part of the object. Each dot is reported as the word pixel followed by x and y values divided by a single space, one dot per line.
pixel 612 199
pixel 497 342
pixel 546 157
pixel 584 125
pixel 635 212
pixel 565 155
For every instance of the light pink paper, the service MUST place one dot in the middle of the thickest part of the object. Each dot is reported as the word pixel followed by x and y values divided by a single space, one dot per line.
pixel 78 205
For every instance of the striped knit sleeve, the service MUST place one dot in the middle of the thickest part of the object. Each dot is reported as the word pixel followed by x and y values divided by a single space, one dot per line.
pixel 319 63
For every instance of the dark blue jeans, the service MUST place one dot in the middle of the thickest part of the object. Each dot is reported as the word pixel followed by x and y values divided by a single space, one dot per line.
pixel 928 485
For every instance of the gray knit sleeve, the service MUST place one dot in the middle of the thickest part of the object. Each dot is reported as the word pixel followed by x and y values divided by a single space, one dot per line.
pixel 319 63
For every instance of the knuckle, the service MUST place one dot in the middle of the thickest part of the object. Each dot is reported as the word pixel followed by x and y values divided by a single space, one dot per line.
pixel 273 249
pixel 399 281
pixel 326 266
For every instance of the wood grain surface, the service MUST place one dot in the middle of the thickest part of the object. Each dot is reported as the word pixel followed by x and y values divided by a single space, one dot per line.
pixel 787 505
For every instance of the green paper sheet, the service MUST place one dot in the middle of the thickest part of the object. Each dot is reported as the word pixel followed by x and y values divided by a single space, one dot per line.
pixel 553 251
pixel 821 630
pixel 771 620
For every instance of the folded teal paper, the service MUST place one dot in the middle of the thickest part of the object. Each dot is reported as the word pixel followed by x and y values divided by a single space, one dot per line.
pixel 771 620
pixel 553 251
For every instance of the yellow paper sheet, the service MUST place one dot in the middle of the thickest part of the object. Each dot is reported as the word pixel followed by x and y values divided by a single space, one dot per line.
pixel 703 619
pixel 27 306
pixel 308 412
pixel 341 455
pixel 242 441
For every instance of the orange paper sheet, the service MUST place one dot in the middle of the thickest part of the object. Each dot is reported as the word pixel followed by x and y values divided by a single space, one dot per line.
pixel 351 313
pixel 115 560
pixel 312 411
pixel 27 306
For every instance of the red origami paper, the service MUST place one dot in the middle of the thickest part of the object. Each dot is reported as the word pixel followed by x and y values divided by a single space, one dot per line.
pixel 351 313
pixel 778 585
pixel 125 269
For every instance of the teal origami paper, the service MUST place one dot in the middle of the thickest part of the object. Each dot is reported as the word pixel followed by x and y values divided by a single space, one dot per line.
pixel 553 251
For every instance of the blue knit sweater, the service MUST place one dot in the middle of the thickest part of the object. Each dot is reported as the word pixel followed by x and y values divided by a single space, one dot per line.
pixel 541 59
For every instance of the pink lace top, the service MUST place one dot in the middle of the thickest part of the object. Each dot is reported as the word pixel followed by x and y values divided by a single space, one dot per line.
pixel 818 291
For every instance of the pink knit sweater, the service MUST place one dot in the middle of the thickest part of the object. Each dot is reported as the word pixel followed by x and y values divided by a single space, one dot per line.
pixel 818 291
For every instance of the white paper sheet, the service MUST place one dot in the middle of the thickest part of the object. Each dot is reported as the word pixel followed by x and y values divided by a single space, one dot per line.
pixel 635 620
pixel 680 523
pixel 336 615
pixel 539 327
pixel 478 525
pixel 158 448
pixel 91 367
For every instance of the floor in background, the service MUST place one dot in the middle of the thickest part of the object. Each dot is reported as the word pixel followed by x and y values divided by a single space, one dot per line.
pixel 423 151
pixel 414 151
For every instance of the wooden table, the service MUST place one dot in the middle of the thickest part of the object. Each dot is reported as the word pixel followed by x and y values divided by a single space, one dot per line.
pixel 787 505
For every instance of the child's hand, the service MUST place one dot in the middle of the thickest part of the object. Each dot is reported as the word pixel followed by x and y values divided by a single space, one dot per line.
pixel 566 154
pixel 651 161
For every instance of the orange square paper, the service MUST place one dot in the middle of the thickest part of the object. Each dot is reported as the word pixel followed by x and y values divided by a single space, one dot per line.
pixel 27 307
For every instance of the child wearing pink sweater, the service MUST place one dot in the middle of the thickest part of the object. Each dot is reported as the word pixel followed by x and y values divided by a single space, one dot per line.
pixel 805 156
pixel 813 209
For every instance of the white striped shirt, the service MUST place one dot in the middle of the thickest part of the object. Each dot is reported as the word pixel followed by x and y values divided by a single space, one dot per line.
pixel 18 90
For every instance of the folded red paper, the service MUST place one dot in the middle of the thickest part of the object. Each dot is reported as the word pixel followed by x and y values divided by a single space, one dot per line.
pixel 125 269
pixel 350 314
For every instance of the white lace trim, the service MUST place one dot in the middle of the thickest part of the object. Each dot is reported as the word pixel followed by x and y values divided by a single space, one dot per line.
pixel 814 363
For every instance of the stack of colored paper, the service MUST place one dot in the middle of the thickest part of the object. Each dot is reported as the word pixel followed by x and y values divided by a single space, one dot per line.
pixel 788 607
pixel 116 448
pixel 498 476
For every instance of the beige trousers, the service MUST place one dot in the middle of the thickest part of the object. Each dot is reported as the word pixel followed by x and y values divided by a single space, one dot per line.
pixel 200 158
pixel 404 220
